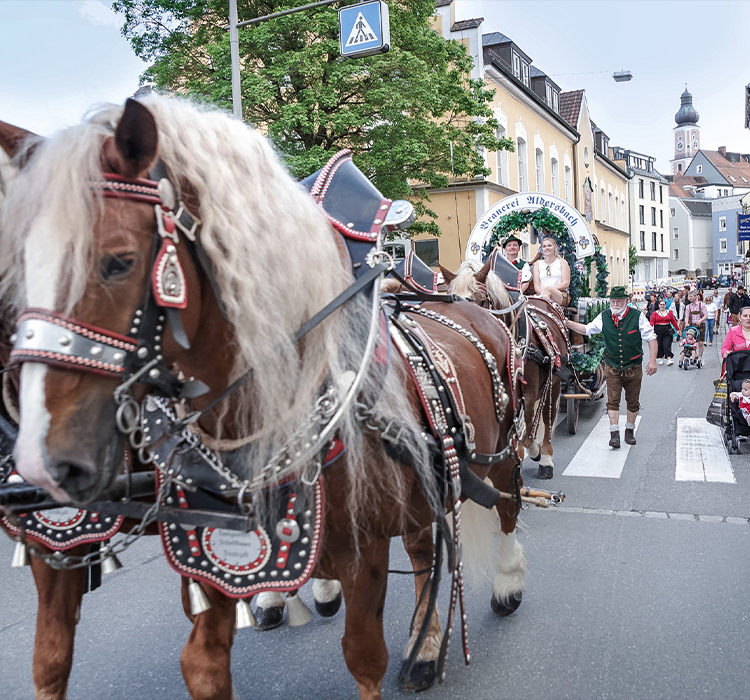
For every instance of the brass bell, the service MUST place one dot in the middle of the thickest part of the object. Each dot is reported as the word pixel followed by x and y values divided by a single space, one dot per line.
pixel 199 602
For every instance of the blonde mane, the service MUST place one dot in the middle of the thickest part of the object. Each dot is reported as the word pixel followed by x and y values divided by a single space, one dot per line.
pixel 274 257
pixel 466 285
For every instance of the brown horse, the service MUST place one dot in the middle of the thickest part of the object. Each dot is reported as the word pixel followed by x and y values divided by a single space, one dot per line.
pixel 548 350
pixel 86 261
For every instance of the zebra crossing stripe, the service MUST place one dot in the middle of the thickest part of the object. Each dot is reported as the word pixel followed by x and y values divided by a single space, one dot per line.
pixel 596 458
pixel 701 453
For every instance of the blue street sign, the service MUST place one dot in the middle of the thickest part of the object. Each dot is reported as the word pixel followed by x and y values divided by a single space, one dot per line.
pixel 364 29
pixel 743 227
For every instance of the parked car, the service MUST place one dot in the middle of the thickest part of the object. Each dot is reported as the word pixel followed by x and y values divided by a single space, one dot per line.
pixel 707 282
pixel 723 281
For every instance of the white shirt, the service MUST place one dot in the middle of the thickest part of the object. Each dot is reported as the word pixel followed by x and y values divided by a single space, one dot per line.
pixel 554 278
pixel 712 307
pixel 525 270
pixel 646 329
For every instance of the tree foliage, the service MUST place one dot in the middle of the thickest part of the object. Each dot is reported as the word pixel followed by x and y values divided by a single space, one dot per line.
pixel 398 112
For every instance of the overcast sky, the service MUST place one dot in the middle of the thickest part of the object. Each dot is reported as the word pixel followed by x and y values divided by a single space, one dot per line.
pixel 665 43
pixel 59 57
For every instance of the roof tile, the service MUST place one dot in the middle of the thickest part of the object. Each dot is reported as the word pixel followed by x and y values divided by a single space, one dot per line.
pixel 570 106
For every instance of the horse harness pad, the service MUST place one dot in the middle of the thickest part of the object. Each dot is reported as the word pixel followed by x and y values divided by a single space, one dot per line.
pixel 277 552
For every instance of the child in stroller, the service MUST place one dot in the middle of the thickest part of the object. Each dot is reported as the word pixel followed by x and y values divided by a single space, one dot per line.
pixel 742 399
pixel 689 346
pixel 737 369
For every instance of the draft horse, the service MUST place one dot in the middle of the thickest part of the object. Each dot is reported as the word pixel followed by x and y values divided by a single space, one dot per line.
pixel 87 237
pixel 539 327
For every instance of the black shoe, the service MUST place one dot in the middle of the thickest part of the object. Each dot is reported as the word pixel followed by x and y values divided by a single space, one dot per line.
pixel 614 439
pixel 629 436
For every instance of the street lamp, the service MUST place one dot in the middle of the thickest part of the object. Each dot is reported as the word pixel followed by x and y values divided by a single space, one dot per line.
pixel 622 76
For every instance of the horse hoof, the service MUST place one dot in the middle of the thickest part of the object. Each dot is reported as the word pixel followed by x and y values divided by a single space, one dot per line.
pixel 507 606
pixel 330 608
pixel 422 675
pixel 268 618
pixel 544 472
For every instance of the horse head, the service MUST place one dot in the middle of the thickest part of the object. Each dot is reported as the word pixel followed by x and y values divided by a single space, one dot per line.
pixel 478 284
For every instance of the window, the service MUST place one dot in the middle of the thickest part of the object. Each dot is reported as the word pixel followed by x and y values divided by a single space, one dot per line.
pixel 671 211
pixel 699 168
pixel 722 245
pixel 722 223
pixel 525 73
pixel 586 156
pixel 502 160
pixel 653 240
pixel 553 177
pixel 611 218
pixel 653 216
pixel 517 65
pixel 396 250
pixel 602 207
pixel 744 179
pixel 653 191
pixel 661 218
pixel 676 254
pixel 567 184
pixel 617 212
pixel 427 251
pixel 731 177
pixel 642 214
pixel 643 240
pixel 662 242
pixel 740 247
pixel 675 233
pixel 539 157
pixel 521 147
pixel 661 195
pixel 640 188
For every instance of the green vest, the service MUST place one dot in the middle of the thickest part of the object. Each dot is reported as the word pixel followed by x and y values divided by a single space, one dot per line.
pixel 623 346
pixel 519 263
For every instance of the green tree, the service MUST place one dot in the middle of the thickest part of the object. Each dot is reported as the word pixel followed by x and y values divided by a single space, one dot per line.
pixel 398 112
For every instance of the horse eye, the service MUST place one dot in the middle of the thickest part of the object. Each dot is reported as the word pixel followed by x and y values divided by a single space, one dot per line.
pixel 114 266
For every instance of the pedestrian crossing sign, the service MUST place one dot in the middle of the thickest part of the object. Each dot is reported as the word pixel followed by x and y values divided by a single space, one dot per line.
pixel 364 29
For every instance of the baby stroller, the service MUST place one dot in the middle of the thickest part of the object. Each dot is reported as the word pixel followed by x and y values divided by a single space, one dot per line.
pixel 688 351
pixel 737 368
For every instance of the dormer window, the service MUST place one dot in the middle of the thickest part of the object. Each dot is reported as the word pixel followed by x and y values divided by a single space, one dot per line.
pixel 525 73
pixel 699 168
pixel 517 65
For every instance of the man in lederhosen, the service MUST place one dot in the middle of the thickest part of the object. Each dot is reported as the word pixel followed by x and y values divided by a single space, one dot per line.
pixel 624 329
pixel 512 251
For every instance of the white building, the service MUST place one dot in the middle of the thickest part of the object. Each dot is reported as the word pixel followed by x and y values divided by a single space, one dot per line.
pixel 649 214
pixel 691 237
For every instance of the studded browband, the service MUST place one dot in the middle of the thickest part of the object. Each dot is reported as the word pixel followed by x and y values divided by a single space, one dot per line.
pixel 51 338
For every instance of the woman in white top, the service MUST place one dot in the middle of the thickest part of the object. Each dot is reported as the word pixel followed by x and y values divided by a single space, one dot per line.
pixel 552 273
pixel 712 311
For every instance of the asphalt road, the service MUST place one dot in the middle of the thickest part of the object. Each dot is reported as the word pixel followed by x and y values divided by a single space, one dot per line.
pixel 637 588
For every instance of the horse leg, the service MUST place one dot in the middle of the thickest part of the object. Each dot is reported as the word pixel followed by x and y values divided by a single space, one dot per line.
pixel 328 596
pixel 532 442
pixel 205 660
pixel 59 594
pixel 548 422
pixel 269 611
pixel 364 582
pixel 421 551
pixel 507 586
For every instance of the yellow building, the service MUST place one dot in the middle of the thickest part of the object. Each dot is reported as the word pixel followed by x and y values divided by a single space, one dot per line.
pixel 559 151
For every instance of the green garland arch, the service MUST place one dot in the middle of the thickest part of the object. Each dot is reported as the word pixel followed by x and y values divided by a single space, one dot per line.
pixel 544 220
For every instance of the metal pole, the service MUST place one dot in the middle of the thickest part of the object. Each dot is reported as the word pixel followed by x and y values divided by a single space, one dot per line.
pixel 283 13
pixel 234 45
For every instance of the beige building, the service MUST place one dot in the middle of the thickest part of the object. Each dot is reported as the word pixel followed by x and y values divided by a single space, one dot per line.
pixel 559 151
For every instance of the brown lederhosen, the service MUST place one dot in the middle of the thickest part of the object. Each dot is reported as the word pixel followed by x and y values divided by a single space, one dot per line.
pixel 628 379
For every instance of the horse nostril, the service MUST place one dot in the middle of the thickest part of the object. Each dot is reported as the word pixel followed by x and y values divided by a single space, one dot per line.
pixel 72 477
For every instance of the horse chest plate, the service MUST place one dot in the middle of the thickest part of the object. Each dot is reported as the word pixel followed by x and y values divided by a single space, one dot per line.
pixel 278 555
pixel 63 528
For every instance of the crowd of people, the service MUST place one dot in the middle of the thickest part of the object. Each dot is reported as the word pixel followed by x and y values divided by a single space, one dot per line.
pixel 691 316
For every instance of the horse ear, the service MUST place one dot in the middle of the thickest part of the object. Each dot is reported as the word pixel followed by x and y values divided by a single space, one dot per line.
pixel 448 276
pixel 136 140
pixel 481 276
pixel 12 138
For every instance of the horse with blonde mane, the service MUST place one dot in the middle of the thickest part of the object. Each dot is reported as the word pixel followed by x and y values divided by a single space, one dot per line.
pixel 546 351
pixel 79 247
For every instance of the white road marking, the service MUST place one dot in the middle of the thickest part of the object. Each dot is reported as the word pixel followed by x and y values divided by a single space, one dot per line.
pixel 596 458
pixel 701 453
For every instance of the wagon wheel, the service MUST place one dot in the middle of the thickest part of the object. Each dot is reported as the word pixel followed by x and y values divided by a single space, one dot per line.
pixel 573 405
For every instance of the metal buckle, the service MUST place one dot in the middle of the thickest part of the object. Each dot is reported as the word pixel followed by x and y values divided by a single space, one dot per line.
pixel 392 433
pixel 176 216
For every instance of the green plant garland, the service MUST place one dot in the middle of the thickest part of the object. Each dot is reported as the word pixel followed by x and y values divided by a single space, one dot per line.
pixel 543 220
pixel 586 363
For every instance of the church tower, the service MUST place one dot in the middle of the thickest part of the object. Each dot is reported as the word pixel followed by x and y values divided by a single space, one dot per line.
pixel 687 134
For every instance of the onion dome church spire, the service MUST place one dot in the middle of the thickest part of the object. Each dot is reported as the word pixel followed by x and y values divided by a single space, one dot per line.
pixel 687 138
